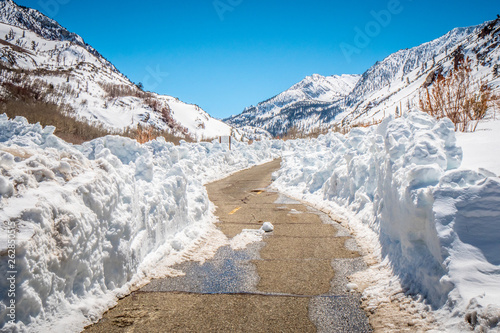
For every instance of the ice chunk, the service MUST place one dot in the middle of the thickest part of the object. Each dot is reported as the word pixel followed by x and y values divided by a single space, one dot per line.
pixel 6 160
pixel 267 227
pixel 6 187
pixel 352 287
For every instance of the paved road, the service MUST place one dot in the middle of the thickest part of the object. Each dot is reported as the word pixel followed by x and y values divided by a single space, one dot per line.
pixel 293 281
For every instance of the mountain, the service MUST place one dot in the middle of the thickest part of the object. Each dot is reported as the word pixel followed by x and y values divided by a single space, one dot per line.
pixel 395 82
pixel 42 63
pixel 286 109
pixel 389 86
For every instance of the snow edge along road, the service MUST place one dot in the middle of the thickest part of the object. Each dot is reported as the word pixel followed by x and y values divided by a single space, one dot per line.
pixel 99 220
pixel 431 224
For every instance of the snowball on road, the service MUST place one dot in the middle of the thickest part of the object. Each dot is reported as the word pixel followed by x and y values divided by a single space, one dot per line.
pixel 267 227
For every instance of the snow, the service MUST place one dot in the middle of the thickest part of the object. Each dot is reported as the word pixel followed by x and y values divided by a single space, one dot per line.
pixel 351 287
pixel 99 220
pixel 312 89
pixel 245 237
pixel 77 73
pixel 267 227
pixel 390 86
pixel 480 149
pixel 431 225
pixel 253 133
pixel 198 121
pixel 96 221
pixel 320 88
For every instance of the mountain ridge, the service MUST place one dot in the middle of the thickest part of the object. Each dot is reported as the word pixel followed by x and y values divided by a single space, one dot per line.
pixel 47 28
pixel 390 84
pixel 42 63
pixel 313 89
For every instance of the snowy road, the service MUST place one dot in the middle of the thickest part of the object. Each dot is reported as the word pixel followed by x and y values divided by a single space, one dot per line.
pixel 292 280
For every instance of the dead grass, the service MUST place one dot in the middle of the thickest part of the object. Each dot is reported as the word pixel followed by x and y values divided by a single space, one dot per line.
pixel 296 133
pixel 26 95
pixel 367 123
pixel 68 128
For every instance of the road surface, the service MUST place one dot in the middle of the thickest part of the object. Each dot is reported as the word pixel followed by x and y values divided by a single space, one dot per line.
pixel 292 281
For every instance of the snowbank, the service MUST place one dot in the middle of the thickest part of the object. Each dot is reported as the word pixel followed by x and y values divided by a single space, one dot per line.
pixel 437 227
pixel 479 149
pixel 93 222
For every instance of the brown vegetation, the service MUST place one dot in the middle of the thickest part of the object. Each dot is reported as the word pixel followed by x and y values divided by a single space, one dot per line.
pixel 145 133
pixel 74 130
pixel 25 93
pixel 150 100
pixel 67 128
pixel 459 97
pixel 366 123
pixel 122 90
pixel 297 133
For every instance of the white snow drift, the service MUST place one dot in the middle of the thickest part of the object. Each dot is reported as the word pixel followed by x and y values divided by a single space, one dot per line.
pixel 96 221
pixel 437 227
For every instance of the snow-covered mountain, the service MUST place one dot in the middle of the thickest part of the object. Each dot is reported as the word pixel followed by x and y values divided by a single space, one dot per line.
pixel 286 109
pixel 315 87
pixel 40 58
pixel 395 82
pixel 390 84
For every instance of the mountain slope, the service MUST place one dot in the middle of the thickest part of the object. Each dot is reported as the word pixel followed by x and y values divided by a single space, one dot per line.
pixel 42 61
pixel 31 19
pixel 395 81
pixel 389 86
pixel 285 109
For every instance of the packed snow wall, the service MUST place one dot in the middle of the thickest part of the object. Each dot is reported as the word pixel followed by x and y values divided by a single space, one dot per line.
pixel 438 226
pixel 93 222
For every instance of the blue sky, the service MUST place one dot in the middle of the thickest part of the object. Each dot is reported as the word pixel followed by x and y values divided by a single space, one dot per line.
pixel 225 55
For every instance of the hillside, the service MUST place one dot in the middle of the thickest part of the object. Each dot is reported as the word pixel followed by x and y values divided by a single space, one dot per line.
pixel 304 104
pixel 389 86
pixel 395 81
pixel 44 66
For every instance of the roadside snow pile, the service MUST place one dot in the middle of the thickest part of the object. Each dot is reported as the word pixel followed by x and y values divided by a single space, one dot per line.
pixel 477 147
pixel 436 227
pixel 93 222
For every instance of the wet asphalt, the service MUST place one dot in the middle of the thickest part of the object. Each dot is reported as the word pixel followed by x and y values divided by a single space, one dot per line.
pixel 294 280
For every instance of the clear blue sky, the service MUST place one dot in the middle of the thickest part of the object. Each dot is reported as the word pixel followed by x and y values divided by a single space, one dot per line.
pixel 259 48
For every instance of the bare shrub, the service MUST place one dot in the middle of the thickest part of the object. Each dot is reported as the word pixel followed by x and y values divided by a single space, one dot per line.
pixel 298 133
pixel 145 133
pixel 459 97
pixel 122 90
